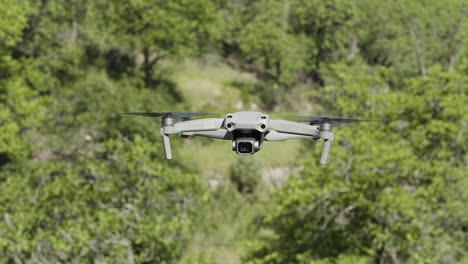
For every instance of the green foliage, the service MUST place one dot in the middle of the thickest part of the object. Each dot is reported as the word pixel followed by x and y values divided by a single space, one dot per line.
pixel 389 193
pixel 286 38
pixel 265 40
pixel 21 107
pixel 158 29
pixel 12 22
pixel 98 195
pixel 116 209
pixel 18 106
pixel 164 27
pixel 97 183
pixel 327 26
pixel 245 174
pixel 411 36
pixel 81 184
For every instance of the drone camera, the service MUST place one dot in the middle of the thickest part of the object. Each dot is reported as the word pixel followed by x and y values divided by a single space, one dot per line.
pixel 245 146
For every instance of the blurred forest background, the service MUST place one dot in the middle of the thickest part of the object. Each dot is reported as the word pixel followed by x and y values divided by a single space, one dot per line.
pixel 81 184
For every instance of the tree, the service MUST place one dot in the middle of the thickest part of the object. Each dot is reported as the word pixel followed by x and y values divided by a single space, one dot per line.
pixel 97 182
pixel 411 36
pixel 158 29
pixel 78 183
pixel 266 40
pixel 290 37
pixel 20 84
pixel 329 28
pixel 394 190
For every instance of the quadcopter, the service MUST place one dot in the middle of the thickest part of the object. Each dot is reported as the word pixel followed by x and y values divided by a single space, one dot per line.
pixel 248 130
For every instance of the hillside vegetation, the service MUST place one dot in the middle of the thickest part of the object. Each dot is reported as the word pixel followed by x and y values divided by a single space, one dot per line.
pixel 80 183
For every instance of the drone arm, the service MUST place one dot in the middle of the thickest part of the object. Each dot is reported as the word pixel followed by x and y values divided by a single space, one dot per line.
pixel 219 134
pixel 294 128
pixel 276 136
pixel 298 129
pixel 206 124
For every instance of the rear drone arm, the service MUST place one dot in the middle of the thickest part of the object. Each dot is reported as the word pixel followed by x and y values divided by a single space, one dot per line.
pixel 218 134
pixel 206 124
pixel 292 130
pixel 201 125
pixel 277 136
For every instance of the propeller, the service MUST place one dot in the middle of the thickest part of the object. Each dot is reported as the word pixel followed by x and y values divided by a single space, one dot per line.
pixel 313 120
pixel 176 115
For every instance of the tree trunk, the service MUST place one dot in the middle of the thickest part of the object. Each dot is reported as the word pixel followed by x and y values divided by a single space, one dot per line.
pixel 149 60
pixel 418 50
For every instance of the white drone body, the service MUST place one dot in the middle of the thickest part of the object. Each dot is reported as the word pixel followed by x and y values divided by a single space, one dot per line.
pixel 247 130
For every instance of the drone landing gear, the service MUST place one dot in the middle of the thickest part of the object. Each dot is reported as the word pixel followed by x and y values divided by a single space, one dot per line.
pixel 167 121
pixel 327 135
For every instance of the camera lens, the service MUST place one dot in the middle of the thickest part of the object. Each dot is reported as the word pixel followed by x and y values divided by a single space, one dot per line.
pixel 244 147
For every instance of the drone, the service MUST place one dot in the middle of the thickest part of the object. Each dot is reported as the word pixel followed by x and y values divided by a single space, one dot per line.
pixel 248 130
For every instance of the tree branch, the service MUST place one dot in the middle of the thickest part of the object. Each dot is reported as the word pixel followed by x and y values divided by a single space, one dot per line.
pixel 418 49
pixel 352 48
pixel 456 51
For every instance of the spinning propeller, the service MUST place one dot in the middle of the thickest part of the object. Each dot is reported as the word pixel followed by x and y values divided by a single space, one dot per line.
pixel 175 115
pixel 315 120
